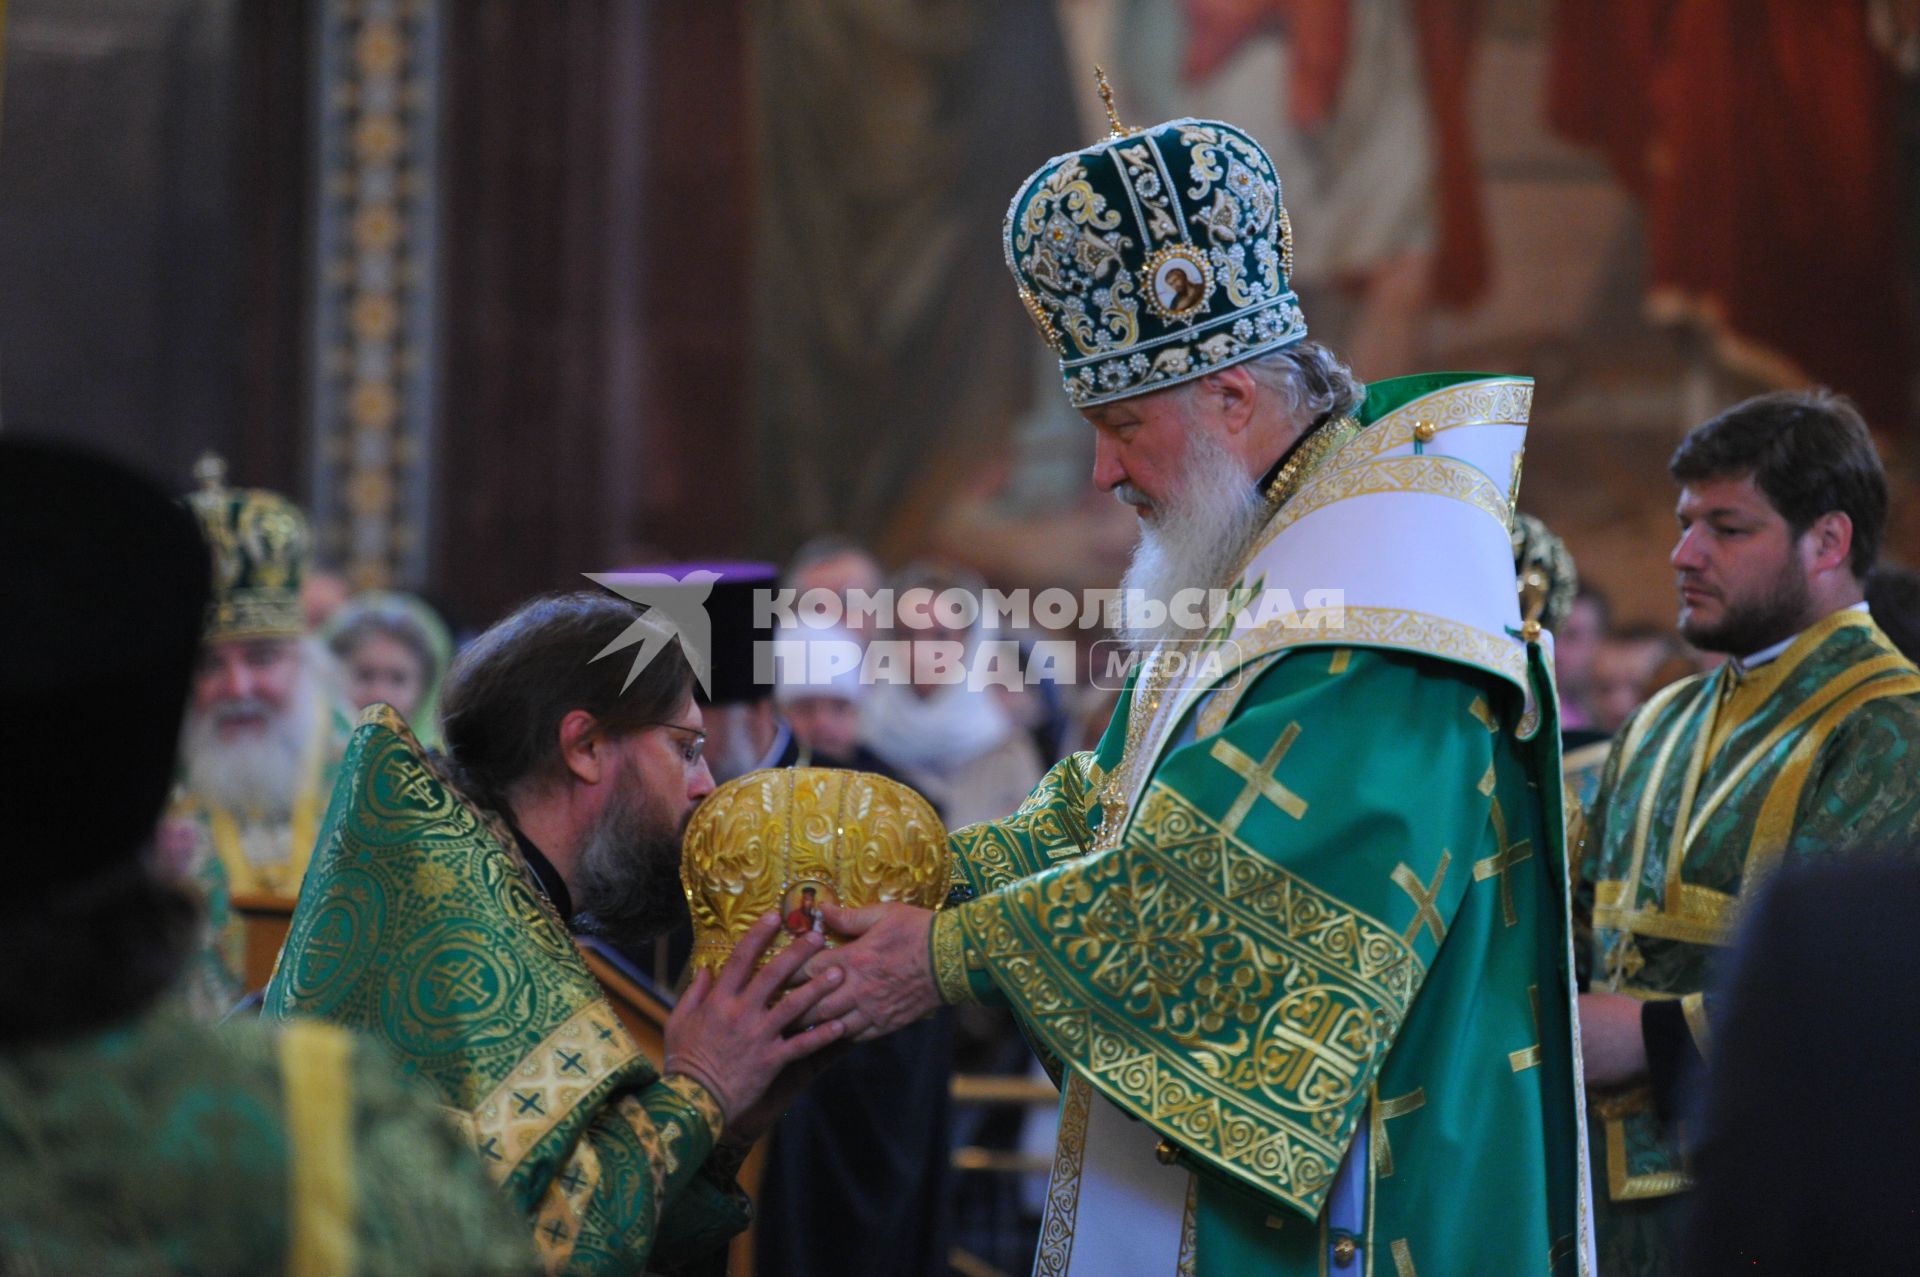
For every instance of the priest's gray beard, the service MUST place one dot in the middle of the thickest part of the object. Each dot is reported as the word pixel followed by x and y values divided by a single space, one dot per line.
pixel 256 775
pixel 1191 541
pixel 628 880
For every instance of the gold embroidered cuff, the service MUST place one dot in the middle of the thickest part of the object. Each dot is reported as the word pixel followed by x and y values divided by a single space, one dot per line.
pixel 1694 1007
pixel 700 1100
pixel 949 944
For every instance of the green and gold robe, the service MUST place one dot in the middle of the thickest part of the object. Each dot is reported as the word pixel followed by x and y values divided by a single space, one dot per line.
pixel 1708 787
pixel 1302 914
pixel 421 925
pixel 168 1146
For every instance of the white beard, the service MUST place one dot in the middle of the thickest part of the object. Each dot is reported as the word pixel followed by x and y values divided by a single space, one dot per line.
pixel 257 776
pixel 1193 541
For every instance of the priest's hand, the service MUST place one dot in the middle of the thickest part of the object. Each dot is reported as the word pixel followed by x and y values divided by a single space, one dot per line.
pixel 745 1130
pixel 1613 1049
pixel 884 973
pixel 729 1032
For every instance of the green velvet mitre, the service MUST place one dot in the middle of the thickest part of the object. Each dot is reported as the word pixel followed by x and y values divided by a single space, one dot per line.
pixel 1153 257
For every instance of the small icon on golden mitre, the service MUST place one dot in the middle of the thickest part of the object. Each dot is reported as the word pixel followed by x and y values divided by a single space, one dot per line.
pixel 794 840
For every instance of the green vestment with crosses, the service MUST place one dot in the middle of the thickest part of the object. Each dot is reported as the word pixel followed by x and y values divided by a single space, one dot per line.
pixel 1709 786
pixel 1314 900
pixel 421 925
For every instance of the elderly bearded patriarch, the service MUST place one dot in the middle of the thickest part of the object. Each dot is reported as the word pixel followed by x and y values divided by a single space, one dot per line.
pixel 263 736
pixel 1293 936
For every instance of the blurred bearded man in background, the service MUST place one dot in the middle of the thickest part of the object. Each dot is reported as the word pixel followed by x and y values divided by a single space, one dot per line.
pixel 264 731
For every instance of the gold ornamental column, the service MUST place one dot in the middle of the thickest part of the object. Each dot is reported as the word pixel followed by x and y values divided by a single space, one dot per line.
pixel 377 113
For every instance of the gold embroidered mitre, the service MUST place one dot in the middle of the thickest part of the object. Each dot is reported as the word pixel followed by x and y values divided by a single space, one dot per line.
pixel 260 543
pixel 793 839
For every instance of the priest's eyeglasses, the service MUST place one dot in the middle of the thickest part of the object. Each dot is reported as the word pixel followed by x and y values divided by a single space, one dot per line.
pixel 696 740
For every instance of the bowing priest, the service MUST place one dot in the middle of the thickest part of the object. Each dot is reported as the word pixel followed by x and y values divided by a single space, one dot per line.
pixel 134 1140
pixel 438 914
pixel 1293 937
pixel 1799 746
pixel 263 737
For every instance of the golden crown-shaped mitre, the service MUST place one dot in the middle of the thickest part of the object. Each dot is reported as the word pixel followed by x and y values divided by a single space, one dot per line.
pixel 793 839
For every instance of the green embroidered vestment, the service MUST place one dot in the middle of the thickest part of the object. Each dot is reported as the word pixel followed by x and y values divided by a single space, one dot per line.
pixel 1344 905
pixel 165 1145
pixel 1710 785
pixel 421 925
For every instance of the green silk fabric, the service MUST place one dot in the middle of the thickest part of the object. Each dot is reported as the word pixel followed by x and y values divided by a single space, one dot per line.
pixel 1248 978
pixel 166 1146
pixel 1708 787
pixel 421 925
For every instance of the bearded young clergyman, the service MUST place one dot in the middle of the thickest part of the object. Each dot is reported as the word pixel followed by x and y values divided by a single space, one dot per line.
pixel 1795 748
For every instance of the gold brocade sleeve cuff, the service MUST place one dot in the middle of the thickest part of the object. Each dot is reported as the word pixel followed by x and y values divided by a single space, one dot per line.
pixel 700 1100
pixel 949 944
pixel 958 968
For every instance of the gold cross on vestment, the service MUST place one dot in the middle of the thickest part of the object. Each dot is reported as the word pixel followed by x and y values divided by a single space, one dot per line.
pixel 1259 778
pixel 1502 862
pixel 1385 1111
pixel 456 980
pixel 1529 1057
pixel 1424 914
pixel 416 782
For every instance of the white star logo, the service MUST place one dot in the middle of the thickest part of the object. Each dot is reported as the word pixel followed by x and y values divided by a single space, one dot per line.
pixel 676 609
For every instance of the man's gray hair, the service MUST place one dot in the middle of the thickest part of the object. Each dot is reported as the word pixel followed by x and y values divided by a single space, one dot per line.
pixel 1311 380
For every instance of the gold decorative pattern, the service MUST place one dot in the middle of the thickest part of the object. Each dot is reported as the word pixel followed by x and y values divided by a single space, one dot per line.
pixel 1446 477
pixel 1614 1112
pixel 1260 780
pixel 1500 864
pixel 1155 256
pixel 986 856
pixel 555 1076
pixel 1274 1055
pixel 1308 456
pixel 1397 629
pixel 853 838
pixel 374 267
pixel 1494 402
pixel 949 946
pixel 556 1219
pixel 1058 1221
pixel 1385 1111
pixel 1777 811
pixel 1403 1259
pixel 1423 896
pixel 1696 914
